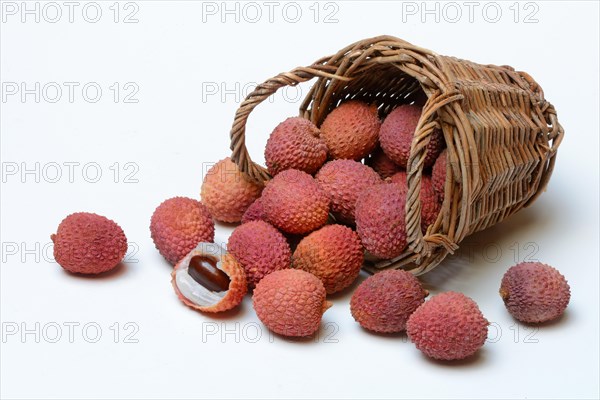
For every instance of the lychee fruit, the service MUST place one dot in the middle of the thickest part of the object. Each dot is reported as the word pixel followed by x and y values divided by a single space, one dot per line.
pixel 343 180
pixel 290 302
pixel 295 203
pixel 438 175
pixel 260 249
pixel 178 225
pixel 295 144
pixel 380 221
pixel 397 132
pixel 449 326
pixel 382 164
pixel 534 292
pixel 333 254
pixel 351 130
pixel 87 243
pixel 227 193
pixel 430 205
pixel 209 280
pixel 384 301
pixel 255 212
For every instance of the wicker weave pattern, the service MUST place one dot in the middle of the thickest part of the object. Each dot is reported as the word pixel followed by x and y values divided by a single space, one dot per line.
pixel 501 133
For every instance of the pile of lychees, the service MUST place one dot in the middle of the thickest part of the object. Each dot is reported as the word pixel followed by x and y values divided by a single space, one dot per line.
pixel 338 192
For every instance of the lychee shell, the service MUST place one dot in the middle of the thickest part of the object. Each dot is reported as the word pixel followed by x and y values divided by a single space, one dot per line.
pixel 397 132
pixel 295 203
pixel 380 220
pixel 255 212
pixel 260 249
pixel 384 301
pixel 438 175
pixel 351 130
pixel 343 180
pixel 449 326
pixel 534 292
pixel 178 225
pixel 227 193
pixel 290 302
pixel 295 144
pixel 333 254
pixel 88 243
pixel 238 287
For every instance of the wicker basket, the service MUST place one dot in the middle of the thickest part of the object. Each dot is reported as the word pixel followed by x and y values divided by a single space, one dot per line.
pixel 501 133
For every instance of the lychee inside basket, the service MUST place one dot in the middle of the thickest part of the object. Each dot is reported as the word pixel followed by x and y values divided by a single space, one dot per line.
pixel 501 134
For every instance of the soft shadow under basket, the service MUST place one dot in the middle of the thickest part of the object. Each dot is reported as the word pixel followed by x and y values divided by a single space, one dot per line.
pixel 501 133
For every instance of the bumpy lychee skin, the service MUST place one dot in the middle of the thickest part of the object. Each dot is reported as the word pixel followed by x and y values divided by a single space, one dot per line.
pixel 534 292
pixel 382 164
pixel 430 204
pixel 351 130
pixel 295 144
pixel 380 220
pixel 227 193
pixel 333 254
pixel 343 180
pixel 219 283
pixel 178 225
pixel 295 203
pixel 438 175
pixel 384 301
pixel 449 326
pixel 260 249
pixel 290 302
pixel 397 133
pixel 87 243
pixel 255 212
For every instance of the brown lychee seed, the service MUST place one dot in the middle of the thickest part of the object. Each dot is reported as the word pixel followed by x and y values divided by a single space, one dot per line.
pixel 178 225
pixel 534 292
pixel 290 302
pixel 209 280
pixel 295 144
pixel 87 243
pixel 227 192
pixel 449 326
pixel 333 254
pixel 384 301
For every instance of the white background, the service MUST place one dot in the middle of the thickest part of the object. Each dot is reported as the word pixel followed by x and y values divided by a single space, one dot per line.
pixel 191 70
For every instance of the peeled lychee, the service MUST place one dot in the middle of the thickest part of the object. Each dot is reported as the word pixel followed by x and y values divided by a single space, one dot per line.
pixel 382 164
pixel 295 144
pixel 384 301
pixel 397 132
pixel 209 280
pixel 260 249
pixel 227 193
pixel 449 326
pixel 534 292
pixel 438 175
pixel 351 130
pixel 430 205
pixel 290 302
pixel 178 225
pixel 295 203
pixel 87 243
pixel 333 254
pixel 380 220
pixel 255 212
pixel 343 180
